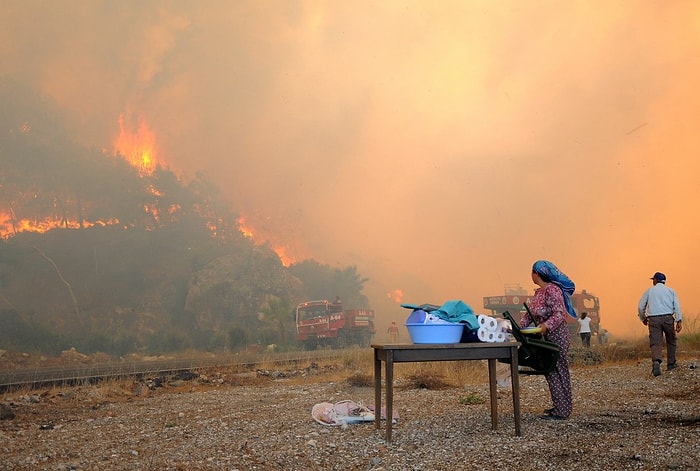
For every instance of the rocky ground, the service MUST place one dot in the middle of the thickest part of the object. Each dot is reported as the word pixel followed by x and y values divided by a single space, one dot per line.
pixel 624 418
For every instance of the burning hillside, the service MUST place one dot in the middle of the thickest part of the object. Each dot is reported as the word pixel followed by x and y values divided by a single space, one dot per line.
pixel 112 195
pixel 55 185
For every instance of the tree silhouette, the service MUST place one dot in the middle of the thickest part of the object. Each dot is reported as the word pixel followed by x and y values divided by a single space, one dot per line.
pixel 278 313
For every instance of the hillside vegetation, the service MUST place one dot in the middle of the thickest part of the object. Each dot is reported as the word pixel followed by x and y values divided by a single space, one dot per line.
pixel 99 255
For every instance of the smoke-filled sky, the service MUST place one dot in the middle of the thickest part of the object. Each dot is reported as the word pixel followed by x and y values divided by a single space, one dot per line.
pixel 441 147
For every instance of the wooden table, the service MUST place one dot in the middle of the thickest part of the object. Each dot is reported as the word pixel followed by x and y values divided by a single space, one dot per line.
pixel 403 353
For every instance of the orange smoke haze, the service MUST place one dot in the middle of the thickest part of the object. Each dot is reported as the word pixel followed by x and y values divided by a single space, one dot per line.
pixel 439 147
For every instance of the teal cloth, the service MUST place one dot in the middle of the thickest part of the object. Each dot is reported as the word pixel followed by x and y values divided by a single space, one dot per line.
pixel 451 311
pixel 458 311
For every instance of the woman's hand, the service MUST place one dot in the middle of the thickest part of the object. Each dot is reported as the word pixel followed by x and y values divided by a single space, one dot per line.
pixel 543 326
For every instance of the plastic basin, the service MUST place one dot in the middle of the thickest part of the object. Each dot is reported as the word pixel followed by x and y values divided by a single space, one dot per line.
pixel 435 333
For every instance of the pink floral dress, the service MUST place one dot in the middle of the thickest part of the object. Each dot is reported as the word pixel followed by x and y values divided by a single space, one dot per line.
pixel 547 307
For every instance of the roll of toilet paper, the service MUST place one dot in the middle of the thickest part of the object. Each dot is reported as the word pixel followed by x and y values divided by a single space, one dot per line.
pixel 500 337
pixel 487 322
pixel 486 335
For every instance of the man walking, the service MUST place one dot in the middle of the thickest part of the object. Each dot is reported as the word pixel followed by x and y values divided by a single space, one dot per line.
pixel 657 308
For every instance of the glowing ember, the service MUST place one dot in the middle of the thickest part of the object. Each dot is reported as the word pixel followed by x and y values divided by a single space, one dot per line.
pixel 137 146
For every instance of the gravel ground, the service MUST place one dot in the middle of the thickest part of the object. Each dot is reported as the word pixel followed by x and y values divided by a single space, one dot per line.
pixel 623 419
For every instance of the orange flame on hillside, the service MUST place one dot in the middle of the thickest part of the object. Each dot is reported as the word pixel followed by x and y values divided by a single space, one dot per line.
pixel 10 226
pixel 138 147
pixel 249 232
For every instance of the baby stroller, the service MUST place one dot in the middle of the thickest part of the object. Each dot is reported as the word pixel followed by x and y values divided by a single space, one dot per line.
pixel 536 355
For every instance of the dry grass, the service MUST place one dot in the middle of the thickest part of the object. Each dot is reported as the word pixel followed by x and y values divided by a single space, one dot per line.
pixel 438 375
pixel 355 366
pixel 690 337
pixel 360 380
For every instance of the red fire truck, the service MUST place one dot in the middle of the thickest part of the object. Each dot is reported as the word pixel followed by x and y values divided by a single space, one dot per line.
pixel 322 323
pixel 514 297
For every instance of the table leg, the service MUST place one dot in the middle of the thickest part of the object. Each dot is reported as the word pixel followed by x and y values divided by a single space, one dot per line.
pixel 389 393
pixel 377 390
pixel 493 394
pixel 515 388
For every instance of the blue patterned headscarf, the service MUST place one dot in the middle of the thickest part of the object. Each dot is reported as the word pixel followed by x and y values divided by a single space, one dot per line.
pixel 549 272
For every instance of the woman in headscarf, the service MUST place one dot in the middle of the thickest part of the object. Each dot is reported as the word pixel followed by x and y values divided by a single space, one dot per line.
pixel 549 307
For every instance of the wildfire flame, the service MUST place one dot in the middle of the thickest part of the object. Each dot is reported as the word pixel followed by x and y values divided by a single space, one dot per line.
pixel 138 147
pixel 395 295
pixel 249 232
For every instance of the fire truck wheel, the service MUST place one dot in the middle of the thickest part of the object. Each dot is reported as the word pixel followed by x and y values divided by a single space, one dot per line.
pixel 366 340
pixel 342 341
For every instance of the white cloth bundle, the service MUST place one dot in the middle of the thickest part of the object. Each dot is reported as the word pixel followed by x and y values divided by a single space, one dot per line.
pixel 433 319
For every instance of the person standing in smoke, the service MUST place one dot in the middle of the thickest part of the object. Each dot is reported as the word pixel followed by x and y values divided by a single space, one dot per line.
pixel 584 329
pixel 549 307
pixel 393 332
